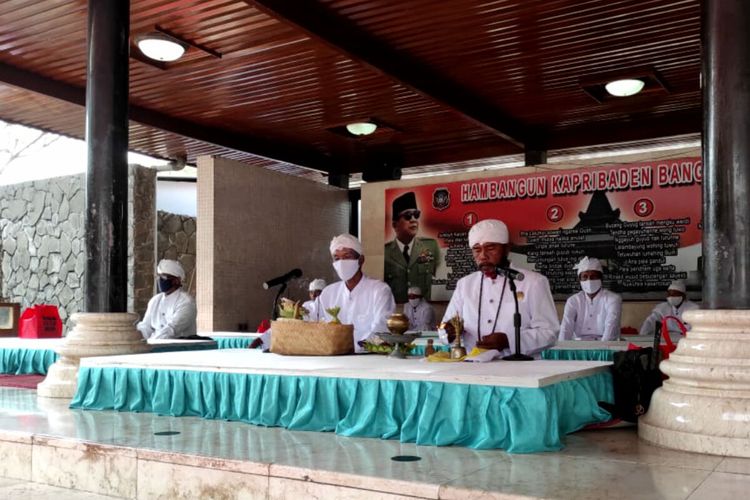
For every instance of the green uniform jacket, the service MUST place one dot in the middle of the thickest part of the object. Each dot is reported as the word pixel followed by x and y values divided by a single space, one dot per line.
pixel 423 261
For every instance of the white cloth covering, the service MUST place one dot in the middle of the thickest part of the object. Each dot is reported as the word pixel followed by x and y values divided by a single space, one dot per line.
pixel 588 264
pixel 314 313
pixel 345 241
pixel 488 231
pixel 665 309
pixel 539 324
pixel 171 267
pixel 169 316
pixel 592 319
pixel 367 306
pixel 421 317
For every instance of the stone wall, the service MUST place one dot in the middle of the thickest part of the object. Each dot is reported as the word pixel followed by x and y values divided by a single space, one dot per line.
pixel 42 250
pixel 176 241
pixel 42 254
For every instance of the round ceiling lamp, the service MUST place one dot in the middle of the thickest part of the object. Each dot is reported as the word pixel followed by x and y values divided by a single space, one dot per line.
pixel 361 128
pixel 160 47
pixel 625 87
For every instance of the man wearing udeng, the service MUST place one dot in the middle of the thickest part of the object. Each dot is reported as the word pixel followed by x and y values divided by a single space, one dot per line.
pixel 365 303
pixel 171 313
pixel 484 300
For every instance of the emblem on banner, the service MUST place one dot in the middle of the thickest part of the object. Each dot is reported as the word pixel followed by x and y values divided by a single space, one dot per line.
pixel 441 199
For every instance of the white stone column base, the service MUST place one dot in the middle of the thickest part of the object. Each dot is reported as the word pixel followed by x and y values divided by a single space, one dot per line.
pixel 704 406
pixel 94 334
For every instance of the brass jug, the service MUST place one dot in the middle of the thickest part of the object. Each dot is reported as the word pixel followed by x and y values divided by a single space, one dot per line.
pixel 397 323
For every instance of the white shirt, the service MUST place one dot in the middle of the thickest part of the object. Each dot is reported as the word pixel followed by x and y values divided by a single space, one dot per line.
pixel 314 314
pixel 666 309
pixel 592 319
pixel 169 316
pixel 539 323
pixel 367 307
pixel 421 317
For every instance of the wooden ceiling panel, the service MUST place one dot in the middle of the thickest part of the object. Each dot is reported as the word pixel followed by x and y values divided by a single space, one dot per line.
pixel 454 81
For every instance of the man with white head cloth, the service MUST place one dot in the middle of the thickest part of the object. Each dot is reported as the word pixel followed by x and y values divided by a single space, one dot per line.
pixel 676 305
pixel 365 303
pixel 485 302
pixel 172 312
pixel 594 312
pixel 313 311
pixel 419 311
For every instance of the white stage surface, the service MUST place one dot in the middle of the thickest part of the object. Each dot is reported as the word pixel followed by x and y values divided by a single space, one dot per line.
pixel 497 373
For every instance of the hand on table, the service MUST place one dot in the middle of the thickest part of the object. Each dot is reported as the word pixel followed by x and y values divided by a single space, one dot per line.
pixel 497 340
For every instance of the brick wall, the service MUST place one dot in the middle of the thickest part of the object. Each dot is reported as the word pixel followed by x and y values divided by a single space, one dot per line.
pixel 253 225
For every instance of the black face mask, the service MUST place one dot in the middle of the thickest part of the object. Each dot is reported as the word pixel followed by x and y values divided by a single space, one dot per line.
pixel 165 284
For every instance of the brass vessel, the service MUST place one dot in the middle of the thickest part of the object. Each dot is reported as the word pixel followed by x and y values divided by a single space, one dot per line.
pixel 397 323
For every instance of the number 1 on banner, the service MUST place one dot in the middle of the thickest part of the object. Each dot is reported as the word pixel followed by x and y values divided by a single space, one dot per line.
pixel 470 218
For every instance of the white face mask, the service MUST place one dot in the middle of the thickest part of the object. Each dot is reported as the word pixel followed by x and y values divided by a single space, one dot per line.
pixel 346 268
pixel 591 286
pixel 674 301
pixel 414 302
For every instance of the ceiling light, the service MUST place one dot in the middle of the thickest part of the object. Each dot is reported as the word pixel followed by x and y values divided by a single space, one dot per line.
pixel 625 88
pixel 361 128
pixel 160 47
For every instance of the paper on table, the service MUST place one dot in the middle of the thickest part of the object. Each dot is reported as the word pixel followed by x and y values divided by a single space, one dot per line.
pixel 484 357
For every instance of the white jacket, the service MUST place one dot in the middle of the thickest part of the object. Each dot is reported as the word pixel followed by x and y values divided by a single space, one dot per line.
pixel 169 316
pixel 665 309
pixel 592 319
pixel 539 323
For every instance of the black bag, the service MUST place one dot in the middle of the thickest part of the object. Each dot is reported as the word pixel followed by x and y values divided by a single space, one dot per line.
pixel 635 375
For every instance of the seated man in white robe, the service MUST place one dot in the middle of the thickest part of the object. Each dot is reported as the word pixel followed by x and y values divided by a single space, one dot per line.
pixel 676 305
pixel 594 312
pixel 311 306
pixel 365 303
pixel 485 302
pixel 171 313
pixel 420 313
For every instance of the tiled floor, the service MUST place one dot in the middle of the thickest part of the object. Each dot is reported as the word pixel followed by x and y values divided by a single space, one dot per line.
pixel 596 464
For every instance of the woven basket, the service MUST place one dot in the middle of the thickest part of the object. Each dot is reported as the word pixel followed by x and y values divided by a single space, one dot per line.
pixel 303 338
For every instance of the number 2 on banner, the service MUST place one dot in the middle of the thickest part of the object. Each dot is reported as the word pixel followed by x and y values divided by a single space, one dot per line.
pixel 643 207
pixel 555 213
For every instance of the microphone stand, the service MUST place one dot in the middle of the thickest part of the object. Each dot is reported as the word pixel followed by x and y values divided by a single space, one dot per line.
pixel 275 313
pixel 517 356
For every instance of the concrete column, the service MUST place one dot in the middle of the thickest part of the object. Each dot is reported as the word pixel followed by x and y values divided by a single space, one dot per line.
pixel 704 406
pixel 106 328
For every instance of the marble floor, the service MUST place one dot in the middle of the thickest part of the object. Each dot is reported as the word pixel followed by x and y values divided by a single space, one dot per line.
pixel 135 453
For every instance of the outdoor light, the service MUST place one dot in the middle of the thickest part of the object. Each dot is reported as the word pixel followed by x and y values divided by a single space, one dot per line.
pixel 361 128
pixel 160 47
pixel 625 88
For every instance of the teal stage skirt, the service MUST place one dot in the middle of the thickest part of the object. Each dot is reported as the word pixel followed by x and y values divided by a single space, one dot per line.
pixel 26 361
pixel 519 420
pixel 579 354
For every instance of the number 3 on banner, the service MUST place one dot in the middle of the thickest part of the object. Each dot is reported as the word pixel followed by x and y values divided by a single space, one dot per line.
pixel 643 207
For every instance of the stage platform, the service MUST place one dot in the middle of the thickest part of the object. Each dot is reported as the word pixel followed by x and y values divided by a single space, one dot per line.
pixel 519 407
pixel 50 451
pixel 594 350
pixel 21 356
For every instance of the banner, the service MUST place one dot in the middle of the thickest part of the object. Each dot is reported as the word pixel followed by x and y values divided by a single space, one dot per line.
pixel 643 220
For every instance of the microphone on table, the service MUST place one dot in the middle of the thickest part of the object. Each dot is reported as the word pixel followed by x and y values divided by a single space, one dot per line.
pixel 510 273
pixel 283 279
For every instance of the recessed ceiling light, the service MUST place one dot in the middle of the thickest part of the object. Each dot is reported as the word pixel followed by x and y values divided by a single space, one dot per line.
pixel 625 87
pixel 361 128
pixel 160 47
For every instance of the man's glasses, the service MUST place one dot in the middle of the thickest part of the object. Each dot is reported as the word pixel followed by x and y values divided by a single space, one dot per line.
pixel 410 214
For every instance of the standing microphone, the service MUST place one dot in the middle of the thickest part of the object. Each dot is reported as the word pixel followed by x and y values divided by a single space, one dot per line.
pixel 510 273
pixel 284 279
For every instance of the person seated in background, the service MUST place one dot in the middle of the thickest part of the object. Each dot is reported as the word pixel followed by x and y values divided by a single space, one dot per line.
pixel 419 311
pixel 364 302
pixel 313 312
pixel 594 312
pixel 484 301
pixel 171 313
pixel 676 305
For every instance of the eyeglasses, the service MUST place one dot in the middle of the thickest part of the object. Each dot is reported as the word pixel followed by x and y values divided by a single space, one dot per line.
pixel 410 214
